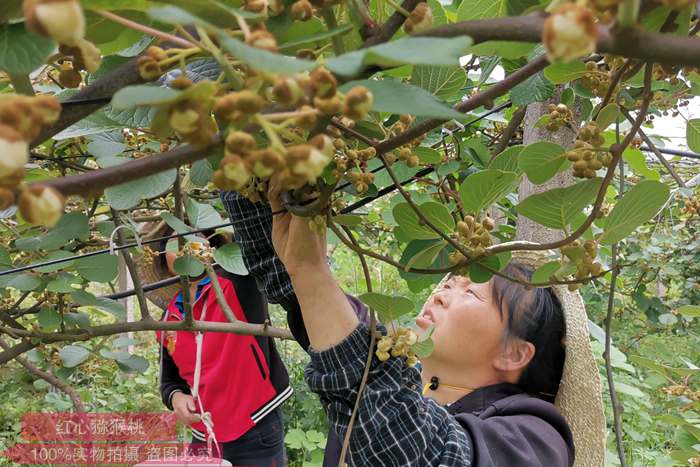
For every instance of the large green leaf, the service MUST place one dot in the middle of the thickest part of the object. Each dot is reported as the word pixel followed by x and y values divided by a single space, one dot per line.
pixel 73 355
pixel 230 258
pixel 21 51
pixel 480 190
pixel 98 268
pixel 436 213
pixel 130 194
pixel 441 81
pixel 409 50
pixel 202 215
pixel 397 97
pixel 83 298
pixel 560 73
pixel 142 95
pixel 536 88
pixel 263 60
pixel 693 134
pixel 541 161
pixel 508 160
pixel 388 308
pixel 188 266
pixel 638 163
pixel 557 208
pixel 642 202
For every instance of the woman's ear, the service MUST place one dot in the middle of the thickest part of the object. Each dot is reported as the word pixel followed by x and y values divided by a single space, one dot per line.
pixel 516 355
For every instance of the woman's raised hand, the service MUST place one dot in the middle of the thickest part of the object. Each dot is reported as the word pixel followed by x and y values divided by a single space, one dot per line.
pixel 298 247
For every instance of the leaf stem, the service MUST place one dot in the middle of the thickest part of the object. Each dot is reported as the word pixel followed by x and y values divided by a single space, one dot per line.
pixel 331 23
pixel 21 83
pixel 144 29
pixel 399 8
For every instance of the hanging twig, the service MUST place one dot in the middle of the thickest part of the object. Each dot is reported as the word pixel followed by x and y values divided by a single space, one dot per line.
pixel 370 353
pixel 133 271
pixel 184 279
pixel 219 293
pixel 509 131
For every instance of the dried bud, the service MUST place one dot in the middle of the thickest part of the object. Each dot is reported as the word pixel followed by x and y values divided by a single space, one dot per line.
pixel 569 33
pixel 149 69
pixel 358 102
pixel 288 92
pixel 7 198
pixel 70 78
pixel 41 205
pixel 263 40
pixel 323 83
pixel 420 19
pixel 61 20
pixel 14 150
pixel 240 142
pixel 302 10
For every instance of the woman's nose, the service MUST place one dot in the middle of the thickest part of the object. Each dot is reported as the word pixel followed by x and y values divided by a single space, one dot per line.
pixel 441 299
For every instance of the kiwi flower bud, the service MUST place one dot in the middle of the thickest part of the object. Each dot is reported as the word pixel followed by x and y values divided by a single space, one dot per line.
pixel 14 150
pixel 569 33
pixel 41 205
pixel 61 20
pixel 358 102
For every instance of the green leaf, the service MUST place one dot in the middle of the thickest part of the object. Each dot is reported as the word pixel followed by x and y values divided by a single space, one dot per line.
pixel 230 258
pixel 208 13
pixel 21 51
pixel 435 212
pixel 689 311
pixel 507 160
pixel 409 50
pixel 73 355
pixel 59 254
pixel 560 73
pixel 545 272
pixel 304 39
pixel 482 9
pixel 441 81
pixel 642 202
pixel 388 308
pixel 693 134
pixel 130 194
pixel 49 319
pixel 426 257
pixel 84 298
pixel 135 363
pixel 99 268
pixel 427 155
pixel 638 163
pixel 536 88
pixel 556 208
pixel 423 348
pixel 263 60
pixel 482 189
pixel 25 282
pixel 481 275
pixel 607 116
pixel 201 215
pixel 142 95
pixel 541 161
pixel 347 220
pixel 397 97
pixel 62 284
pixel 188 266
pixel 201 172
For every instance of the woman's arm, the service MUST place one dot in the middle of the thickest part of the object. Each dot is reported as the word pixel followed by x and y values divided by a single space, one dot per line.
pixel 170 380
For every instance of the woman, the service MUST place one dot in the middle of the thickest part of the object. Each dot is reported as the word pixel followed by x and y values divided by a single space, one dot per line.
pixel 243 381
pixel 488 385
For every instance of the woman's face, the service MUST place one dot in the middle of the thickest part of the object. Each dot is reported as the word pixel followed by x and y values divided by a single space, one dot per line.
pixel 468 328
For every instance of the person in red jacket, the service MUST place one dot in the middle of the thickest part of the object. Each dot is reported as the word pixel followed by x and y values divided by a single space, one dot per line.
pixel 243 380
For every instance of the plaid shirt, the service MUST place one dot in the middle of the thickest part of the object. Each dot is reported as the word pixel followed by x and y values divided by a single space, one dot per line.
pixel 395 425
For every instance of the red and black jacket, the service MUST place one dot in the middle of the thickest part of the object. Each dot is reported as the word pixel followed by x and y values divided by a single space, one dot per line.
pixel 243 378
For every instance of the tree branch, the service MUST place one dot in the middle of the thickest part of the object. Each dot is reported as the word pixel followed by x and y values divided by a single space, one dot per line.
pixel 19 349
pixel 387 30
pixel 509 131
pixel 629 42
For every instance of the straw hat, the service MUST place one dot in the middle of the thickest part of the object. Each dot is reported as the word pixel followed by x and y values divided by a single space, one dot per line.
pixel 150 270
pixel 579 398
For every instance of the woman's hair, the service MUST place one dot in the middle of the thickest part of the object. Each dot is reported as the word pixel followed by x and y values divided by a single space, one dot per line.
pixel 536 316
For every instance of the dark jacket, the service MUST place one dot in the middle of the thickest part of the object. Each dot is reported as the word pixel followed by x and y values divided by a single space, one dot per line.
pixel 243 378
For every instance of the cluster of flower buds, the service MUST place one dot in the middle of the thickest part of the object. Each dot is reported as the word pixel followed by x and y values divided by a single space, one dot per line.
pixel 318 224
pixel 64 22
pixel 398 344
pixel 41 205
pixel 569 33
pixel 596 80
pixel 149 64
pixel 420 19
pixel 361 180
pixel 584 256
pixel 199 250
pixel 474 236
pixel 586 154
pixel 691 206
pixel 559 116
pixel 21 120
